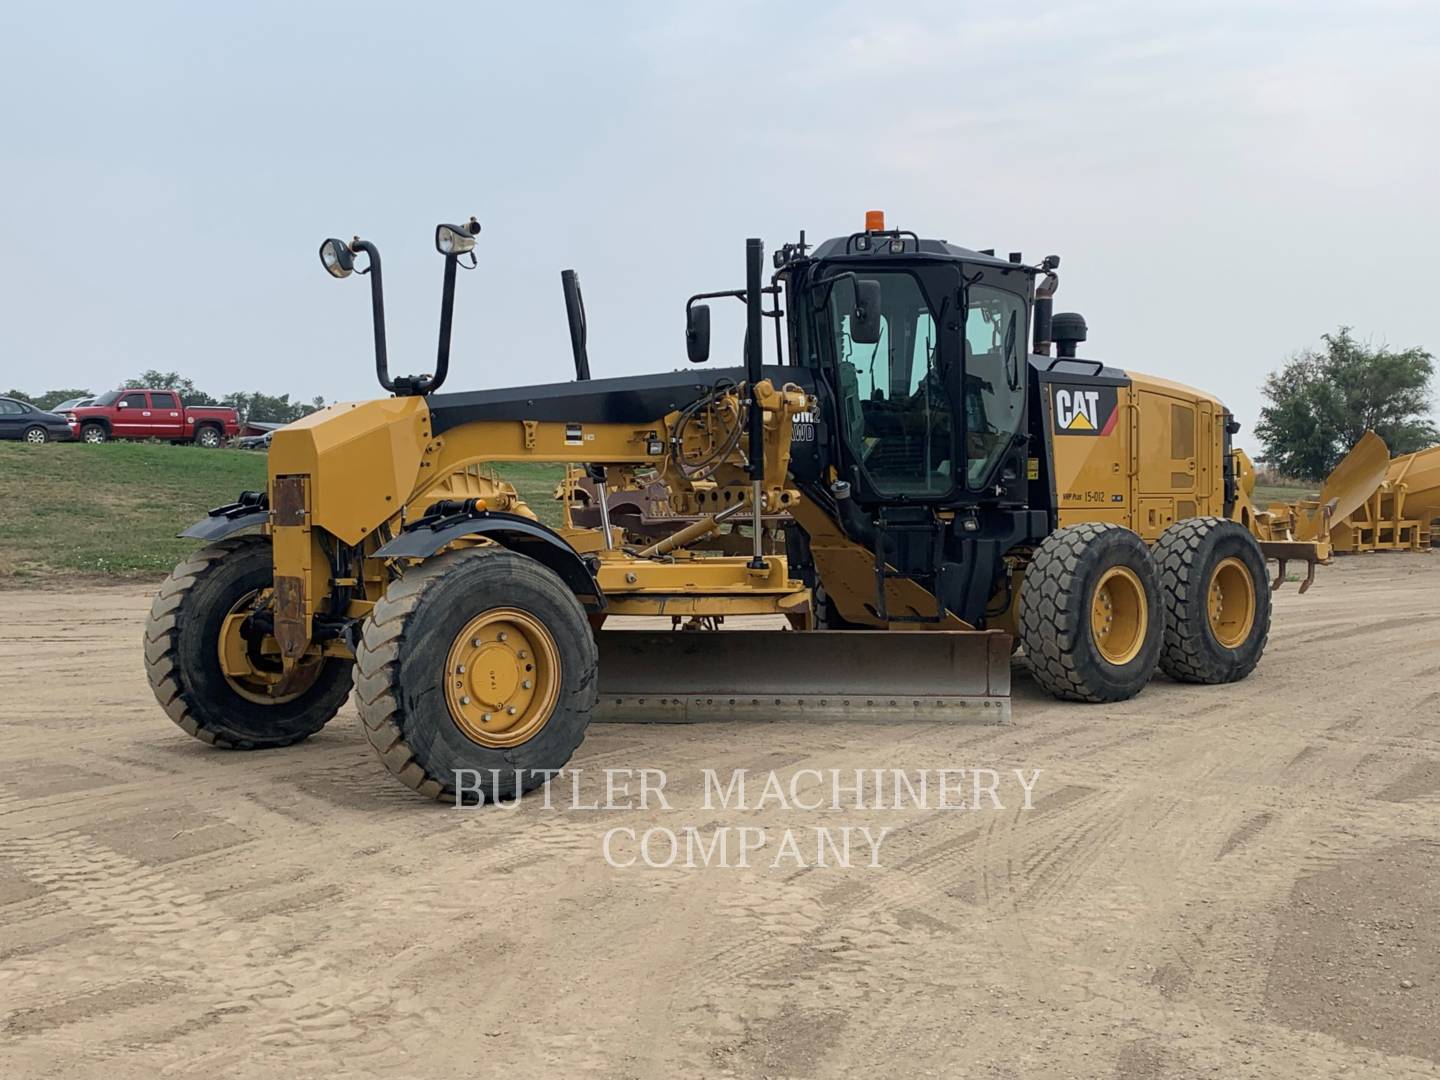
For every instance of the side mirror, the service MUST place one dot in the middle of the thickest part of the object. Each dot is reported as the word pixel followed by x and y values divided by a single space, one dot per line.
pixel 336 257
pixel 865 321
pixel 122 404
pixel 697 333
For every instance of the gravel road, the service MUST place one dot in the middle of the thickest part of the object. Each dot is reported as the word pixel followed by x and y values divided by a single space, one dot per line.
pixel 1210 881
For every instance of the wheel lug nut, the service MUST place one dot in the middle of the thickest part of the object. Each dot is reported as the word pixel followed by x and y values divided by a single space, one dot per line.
pixel 464 701
pixel 504 636
pixel 475 644
pixel 525 685
pixel 485 718
pixel 460 670
pixel 523 655
pixel 511 710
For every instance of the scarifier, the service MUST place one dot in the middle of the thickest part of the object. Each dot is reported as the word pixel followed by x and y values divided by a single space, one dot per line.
pixel 945 487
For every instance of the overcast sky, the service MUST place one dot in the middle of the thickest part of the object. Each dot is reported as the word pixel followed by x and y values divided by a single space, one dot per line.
pixel 1224 181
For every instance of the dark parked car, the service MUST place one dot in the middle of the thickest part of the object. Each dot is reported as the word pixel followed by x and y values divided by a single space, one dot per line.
pixel 252 442
pixel 21 420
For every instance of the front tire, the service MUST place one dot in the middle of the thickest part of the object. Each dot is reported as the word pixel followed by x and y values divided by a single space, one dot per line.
pixel 182 656
pixel 37 436
pixel 1217 600
pixel 94 433
pixel 1090 613
pixel 481 660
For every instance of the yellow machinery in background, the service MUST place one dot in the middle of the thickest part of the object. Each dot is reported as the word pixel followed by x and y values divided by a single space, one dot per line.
pixel 1369 502
pixel 1399 512
pixel 949 475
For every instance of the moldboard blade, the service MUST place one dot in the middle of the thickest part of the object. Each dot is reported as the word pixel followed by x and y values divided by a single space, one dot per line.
pixel 686 676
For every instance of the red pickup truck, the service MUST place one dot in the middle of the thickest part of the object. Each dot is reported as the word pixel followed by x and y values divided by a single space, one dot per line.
pixel 152 414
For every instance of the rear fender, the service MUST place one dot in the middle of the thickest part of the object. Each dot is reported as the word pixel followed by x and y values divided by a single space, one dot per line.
pixel 517 533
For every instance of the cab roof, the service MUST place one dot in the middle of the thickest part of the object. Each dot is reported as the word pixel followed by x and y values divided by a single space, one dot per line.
pixel 841 247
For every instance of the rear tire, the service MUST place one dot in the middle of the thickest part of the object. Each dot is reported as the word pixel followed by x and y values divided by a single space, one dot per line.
pixel 208 437
pixel 94 433
pixel 182 659
pixel 37 436
pixel 1217 600
pixel 426 709
pixel 1091 617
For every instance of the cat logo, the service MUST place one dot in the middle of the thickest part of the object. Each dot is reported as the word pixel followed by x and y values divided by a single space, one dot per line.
pixel 1082 410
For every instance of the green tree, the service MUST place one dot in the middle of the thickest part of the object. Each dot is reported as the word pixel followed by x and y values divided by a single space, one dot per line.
pixel 1321 402
pixel 190 394
pixel 270 409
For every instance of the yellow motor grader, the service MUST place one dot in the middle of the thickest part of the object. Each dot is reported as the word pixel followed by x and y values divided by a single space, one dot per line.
pixel 952 479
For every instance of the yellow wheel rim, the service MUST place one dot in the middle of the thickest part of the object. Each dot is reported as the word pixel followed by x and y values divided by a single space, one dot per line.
pixel 1230 602
pixel 502 677
pixel 266 683
pixel 1118 615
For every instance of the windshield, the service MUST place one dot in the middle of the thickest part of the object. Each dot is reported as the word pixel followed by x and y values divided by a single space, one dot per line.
pixel 994 374
pixel 108 398
pixel 895 412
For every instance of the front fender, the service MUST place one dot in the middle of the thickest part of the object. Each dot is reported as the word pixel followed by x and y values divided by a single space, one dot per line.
pixel 250 512
pixel 517 533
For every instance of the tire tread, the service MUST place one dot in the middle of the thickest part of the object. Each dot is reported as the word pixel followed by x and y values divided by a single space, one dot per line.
pixel 162 662
pixel 378 661
pixel 1183 656
pixel 1052 624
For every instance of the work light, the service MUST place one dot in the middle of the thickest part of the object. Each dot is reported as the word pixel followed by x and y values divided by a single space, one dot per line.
pixel 335 256
pixel 456 239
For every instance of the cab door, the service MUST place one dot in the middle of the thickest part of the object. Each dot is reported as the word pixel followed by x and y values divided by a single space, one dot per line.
pixel 896 416
pixel 132 415
pixel 166 421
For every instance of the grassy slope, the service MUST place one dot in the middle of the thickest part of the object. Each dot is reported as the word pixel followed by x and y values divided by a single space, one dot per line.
pixel 1265 494
pixel 536 482
pixel 114 510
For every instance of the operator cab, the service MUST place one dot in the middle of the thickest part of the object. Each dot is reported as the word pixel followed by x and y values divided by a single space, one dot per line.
pixel 918 349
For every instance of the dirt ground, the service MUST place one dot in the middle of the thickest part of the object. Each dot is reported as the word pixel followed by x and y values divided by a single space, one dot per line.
pixel 1211 882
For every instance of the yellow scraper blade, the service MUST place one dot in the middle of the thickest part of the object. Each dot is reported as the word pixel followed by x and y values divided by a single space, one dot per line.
pixel 1349 484
pixel 1420 473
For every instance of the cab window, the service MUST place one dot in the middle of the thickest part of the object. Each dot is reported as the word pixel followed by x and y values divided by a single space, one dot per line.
pixel 133 401
pixel 163 401
pixel 895 407
pixel 994 377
